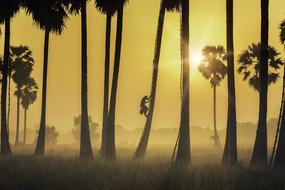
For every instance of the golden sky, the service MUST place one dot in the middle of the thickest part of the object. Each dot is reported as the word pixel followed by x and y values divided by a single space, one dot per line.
pixel 207 27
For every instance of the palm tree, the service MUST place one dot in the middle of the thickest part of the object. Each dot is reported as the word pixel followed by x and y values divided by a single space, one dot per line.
pixel 183 151
pixel 169 5
pixel 214 70
pixel 29 96
pixel 8 9
pixel 250 61
pixel 108 8
pixel 79 6
pixel 279 155
pixel 259 155
pixel 23 62
pixel 110 136
pixel 230 150
pixel 50 16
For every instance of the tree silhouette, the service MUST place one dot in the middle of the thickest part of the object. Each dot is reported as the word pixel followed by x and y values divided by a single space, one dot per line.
pixel 76 129
pixel 28 96
pixel 230 150
pixel 110 138
pixel 169 5
pixel 50 16
pixel 259 155
pixel 22 63
pixel 8 9
pixel 250 61
pixel 280 155
pixel 214 70
pixel 106 7
pixel 76 7
pixel 183 151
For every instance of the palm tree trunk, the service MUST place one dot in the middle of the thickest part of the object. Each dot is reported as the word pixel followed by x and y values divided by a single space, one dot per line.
pixel 183 152
pixel 106 83
pixel 5 146
pixel 259 156
pixel 25 126
pixel 18 121
pixel 141 149
pixel 230 150
pixel 9 104
pixel 110 141
pixel 279 143
pixel 85 142
pixel 215 116
pixel 40 147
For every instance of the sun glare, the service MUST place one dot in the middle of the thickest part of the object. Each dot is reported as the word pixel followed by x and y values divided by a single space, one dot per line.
pixel 196 58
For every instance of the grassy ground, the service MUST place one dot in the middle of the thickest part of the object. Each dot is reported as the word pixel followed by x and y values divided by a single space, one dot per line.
pixel 156 172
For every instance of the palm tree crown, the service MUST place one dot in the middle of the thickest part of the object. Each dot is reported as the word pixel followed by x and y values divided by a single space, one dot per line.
pixel 8 8
pixel 249 62
pixel 212 66
pixel 47 14
pixel 29 93
pixel 172 5
pixel 282 32
pixel 21 64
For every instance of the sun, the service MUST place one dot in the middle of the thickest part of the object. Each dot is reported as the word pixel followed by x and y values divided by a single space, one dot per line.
pixel 196 58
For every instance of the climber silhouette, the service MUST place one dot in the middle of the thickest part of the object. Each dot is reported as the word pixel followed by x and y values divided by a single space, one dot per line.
pixel 143 106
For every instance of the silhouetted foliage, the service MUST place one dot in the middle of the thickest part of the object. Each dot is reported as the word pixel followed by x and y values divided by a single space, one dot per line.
pixel 212 66
pixel 172 5
pixel 94 135
pixel 29 93
pixel 282 32
pixel 51 136
pixel 249 62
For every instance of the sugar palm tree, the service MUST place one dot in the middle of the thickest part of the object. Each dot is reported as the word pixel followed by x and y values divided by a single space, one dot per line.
pixel 29 95
pixel 214 69
pixel 183 151
pixel 8 9
pixel 108 8
pixel 76 7
pixel 279 159
pixel 110 137
pixel 250 61
pixel 23 62
pixel 230 150
pixel 259 155
pixel 169 5
pixel 50 16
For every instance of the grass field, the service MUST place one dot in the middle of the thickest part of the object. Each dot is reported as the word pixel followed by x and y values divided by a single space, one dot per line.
pixel 65 171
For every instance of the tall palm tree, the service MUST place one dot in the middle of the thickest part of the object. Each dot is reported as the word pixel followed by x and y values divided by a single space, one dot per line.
pixel 280 155
pixel 23 62
pixel 214 70
pixel 110 136
pixel 106 7
pixel 29 96
pixel 50 16
pixel 230 150
pixel 76 7
pixel 250 61
pixel 8 9
pixel 259 155
pixel 183 151
pixel 169 5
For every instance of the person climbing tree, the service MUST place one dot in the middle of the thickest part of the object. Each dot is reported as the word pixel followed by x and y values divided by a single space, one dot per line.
pixel 143 106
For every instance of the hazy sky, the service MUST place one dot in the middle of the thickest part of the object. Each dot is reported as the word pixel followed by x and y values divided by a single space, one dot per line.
pixel 207 27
